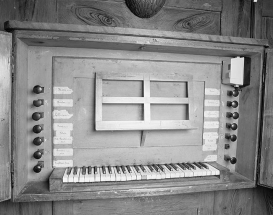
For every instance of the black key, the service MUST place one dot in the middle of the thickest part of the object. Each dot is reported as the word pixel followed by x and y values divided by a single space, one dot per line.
pixel 186 165
pixel 75 170
pixel 150 168
pixel 137 169
pixel 174 166
pixel 118 169
pixel 129 169
pixel 161 167
pixel 69 169
pixel 193 167
pixel 83 170
pixel 155 167
pixel 142 168
pixel 109 169
pixel 123 169
pixel 89 170
pixel 204 165
pixel 181 166
pixel 169 167
pixel 95 170
pixel 198 165
pixel 103 170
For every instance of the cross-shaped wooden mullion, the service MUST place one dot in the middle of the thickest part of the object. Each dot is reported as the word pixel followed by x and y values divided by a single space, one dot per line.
pixel 146 100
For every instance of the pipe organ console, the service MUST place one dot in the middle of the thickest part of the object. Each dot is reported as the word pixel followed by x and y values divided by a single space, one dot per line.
pixel 104 112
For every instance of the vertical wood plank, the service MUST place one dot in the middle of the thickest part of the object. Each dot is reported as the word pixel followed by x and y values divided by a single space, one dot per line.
pixel 7 11
pixel 233 202
pixel 235 19
pixel 267 8
pixel 34 208
pixel 257 20
pixel 5 102
pixel 36 10
pixel 267 29
pixel 259 201
pixel 63 208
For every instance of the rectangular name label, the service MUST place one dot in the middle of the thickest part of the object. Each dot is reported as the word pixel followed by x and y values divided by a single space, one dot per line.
pixel 211 124
pixel 62 102
pixel 62 90
pixel 63 163
pixel 211 114
pixel 212 103
pixel 63 140
pixel 62 152
pixel 210 135
pixel 61 114
pixel 62 126
pixel 212 91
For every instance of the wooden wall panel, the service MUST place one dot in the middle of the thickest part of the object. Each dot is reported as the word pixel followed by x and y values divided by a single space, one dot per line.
pixel 7 11
pixel 233 202
pixel 36 10
pixel 36 208
pixel 267 31
pixel 267 8
pixel 188 204
pixel 116 14
pixel 235 20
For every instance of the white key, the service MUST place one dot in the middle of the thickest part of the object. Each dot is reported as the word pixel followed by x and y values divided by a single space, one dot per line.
pixel 167 173
pixel 137 174
pixel 133 175
pixel 87 176
pixel 187 172
pixel 213 169
pixel 195 171
pixel 123 176
pixel 149 174
pixel 70 177
pixel 161 173
pixel 65 176
pixel 180 173
pixel 126 173
pixel 144 173
pixel 102 176
pixel 81 176
pixel 172 173
pixel 118 175
pixel 90 177
pixel 112 175
pixel 152 172
pixel 205 171
pixel 199 171
pixel 107 174
pixel 76 176
pixel 157 172
pixel 96 174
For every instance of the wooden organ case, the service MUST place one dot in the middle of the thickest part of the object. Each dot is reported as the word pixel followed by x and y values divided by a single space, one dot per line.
pixel 101 98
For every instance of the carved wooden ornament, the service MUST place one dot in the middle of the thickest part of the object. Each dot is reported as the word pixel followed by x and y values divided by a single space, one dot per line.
pixel 145 8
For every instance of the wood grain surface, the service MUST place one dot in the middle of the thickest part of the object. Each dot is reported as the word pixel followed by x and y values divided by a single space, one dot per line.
pixel 118 15
pixel 235 19
pixel 207 203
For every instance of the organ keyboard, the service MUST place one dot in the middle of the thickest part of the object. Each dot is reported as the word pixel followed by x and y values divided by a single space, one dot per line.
pixel 137 172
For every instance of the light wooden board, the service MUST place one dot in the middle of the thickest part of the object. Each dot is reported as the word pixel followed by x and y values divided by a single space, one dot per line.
pixel 5 95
